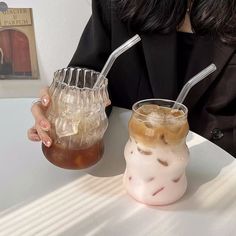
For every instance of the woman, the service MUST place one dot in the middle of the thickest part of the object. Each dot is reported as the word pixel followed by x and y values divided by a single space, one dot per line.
pixel 179 39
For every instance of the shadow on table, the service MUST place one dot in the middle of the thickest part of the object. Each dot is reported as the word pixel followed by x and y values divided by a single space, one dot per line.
pixel 116 136
pixel 206 162
pixel 207 172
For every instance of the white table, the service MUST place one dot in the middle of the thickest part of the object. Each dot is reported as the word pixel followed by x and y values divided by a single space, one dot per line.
pixel 37 198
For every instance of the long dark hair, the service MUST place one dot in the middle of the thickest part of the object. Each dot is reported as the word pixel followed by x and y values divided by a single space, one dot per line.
pixel 212 17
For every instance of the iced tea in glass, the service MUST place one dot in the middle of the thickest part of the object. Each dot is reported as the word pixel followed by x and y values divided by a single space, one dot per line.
pixel 78 118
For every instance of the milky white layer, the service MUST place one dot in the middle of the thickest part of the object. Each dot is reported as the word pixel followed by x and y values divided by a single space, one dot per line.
pixel 157 178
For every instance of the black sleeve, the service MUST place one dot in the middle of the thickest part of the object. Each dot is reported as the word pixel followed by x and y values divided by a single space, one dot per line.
pixel 94 46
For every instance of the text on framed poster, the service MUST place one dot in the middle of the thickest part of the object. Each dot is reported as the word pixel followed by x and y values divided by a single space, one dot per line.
pixel 16 17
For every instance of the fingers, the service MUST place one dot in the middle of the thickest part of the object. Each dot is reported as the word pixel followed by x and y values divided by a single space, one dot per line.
pixel 42 125
pixel 44 96
pixel 43 136
pixel 37 134
pixel 40 119
pixel 33 134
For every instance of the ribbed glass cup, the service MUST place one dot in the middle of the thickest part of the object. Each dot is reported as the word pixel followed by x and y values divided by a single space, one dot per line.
pixel 78 118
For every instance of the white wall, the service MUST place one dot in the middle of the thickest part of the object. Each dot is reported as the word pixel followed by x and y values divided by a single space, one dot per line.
pixel 58 27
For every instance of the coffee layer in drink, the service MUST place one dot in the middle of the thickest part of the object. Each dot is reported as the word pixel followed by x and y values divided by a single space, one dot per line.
pixel 153 125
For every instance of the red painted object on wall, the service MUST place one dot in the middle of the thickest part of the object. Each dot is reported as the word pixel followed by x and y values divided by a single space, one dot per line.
pixel 16 53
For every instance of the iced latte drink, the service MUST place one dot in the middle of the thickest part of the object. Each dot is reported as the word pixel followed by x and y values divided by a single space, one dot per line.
pixel 156 154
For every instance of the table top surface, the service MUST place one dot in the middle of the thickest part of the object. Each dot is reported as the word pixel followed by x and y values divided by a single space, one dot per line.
pixel 38 198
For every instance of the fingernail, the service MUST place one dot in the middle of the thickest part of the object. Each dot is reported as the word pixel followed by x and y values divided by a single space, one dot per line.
pixel 44 125
pixel 47 143
pixel 45 101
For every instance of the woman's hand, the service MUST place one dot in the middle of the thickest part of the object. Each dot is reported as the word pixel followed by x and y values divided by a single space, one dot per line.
pixel 39 131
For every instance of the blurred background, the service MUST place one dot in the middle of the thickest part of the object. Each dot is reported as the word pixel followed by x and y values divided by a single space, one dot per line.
pixel 58 26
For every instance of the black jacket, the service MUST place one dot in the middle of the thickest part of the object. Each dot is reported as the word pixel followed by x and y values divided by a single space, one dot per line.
pixel 149 70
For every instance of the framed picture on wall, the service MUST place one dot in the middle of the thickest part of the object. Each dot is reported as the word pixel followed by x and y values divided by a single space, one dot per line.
pixel 18 57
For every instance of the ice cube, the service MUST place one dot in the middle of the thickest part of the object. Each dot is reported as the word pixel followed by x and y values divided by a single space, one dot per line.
pixel 154 118
pixel 148 109
pixel 66 127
